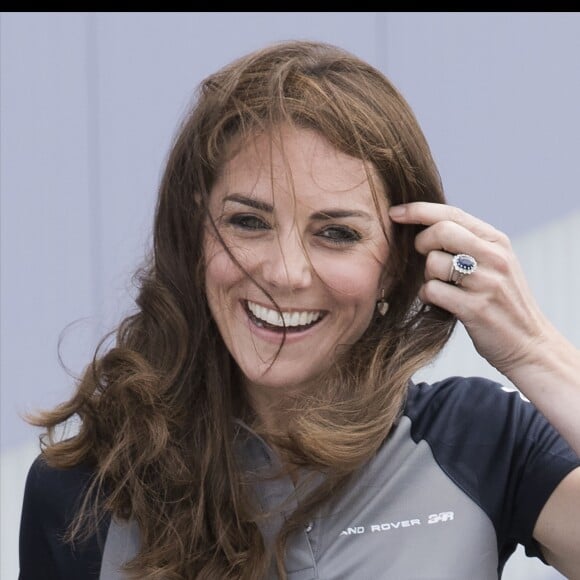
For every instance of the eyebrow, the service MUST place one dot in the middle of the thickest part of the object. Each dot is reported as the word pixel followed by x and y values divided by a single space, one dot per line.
pixel 326 214
pixel 250 201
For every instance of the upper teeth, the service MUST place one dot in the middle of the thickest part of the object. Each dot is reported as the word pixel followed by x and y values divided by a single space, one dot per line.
pixel 286 319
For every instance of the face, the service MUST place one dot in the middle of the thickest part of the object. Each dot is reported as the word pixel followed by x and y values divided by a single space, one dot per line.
pixel 303 224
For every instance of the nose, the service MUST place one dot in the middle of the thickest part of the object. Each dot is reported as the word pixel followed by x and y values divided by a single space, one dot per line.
pixel 286 264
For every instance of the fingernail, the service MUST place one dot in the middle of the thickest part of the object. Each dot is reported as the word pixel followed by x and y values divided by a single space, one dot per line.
pixel 397 211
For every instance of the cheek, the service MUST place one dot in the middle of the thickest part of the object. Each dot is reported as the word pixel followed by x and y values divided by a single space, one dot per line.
pixel 220 269
pixel 357 280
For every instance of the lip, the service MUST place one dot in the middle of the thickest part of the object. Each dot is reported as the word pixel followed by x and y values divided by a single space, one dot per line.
pixel 276 336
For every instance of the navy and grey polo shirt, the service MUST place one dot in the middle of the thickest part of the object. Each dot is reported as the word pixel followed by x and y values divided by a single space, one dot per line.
pixel 459 482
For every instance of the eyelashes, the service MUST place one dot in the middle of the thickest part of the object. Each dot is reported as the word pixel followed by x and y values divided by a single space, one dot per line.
pixel 333 234
pixel 339 235
pixel 247 221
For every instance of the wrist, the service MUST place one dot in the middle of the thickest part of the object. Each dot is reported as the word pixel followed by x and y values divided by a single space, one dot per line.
pixel 550 354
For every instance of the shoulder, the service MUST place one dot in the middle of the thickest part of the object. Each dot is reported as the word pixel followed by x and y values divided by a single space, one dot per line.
pixel 55 493
pixel 59 483
pixel 479 406
pixel 480 411
pixel 475 412
pixel 457 390
pixel 52 497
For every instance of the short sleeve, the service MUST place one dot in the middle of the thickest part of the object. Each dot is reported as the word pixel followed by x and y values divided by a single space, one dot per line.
pixel 497 447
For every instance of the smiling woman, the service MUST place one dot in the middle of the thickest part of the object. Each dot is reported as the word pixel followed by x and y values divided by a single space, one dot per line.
pixel 256 418
pixel 299 259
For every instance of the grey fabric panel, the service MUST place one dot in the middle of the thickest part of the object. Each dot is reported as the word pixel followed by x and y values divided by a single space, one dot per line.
pixel 385 526
pixel 404 519
pixel 300 560
pixel 276 497
pixel 121 546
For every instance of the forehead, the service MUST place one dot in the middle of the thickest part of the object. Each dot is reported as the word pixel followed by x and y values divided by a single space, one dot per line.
pixel 301 162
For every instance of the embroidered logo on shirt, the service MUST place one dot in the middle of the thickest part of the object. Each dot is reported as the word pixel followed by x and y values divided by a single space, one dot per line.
pixel 438 518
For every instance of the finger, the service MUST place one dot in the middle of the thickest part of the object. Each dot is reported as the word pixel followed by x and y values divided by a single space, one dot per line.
pixel 450 237
pixel 439 266
pixel 427 214
pixel 452 298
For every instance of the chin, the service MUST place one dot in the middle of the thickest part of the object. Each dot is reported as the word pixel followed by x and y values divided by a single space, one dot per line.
pixel 282 383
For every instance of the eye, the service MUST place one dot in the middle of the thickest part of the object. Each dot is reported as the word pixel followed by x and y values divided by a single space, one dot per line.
pixel 340 235
pixel 248 221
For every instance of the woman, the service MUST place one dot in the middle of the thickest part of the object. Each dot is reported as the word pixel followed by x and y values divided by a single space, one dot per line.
pixel 256 417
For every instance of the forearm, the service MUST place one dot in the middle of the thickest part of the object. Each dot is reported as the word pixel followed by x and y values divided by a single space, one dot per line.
pixel 551 381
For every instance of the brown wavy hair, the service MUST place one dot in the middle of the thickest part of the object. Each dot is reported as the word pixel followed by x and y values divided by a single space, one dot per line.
pixel 156 408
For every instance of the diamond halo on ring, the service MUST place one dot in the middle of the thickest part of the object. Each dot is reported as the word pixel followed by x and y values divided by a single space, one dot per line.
pixel 461 265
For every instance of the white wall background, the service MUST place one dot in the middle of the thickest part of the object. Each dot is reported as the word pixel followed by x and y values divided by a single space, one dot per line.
pixel 89 103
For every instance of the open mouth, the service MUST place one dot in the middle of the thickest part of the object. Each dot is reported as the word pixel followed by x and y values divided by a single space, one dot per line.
pixel 295 321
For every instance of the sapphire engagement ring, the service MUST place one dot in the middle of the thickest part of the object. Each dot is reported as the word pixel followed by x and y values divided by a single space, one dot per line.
pixel 461 265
